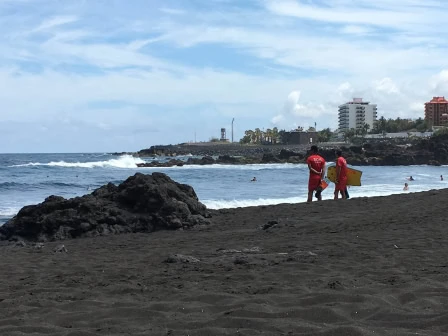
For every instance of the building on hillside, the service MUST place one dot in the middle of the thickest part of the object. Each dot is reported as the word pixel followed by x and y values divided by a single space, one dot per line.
pixel 436 112
pixel 356 114
pixel 298 138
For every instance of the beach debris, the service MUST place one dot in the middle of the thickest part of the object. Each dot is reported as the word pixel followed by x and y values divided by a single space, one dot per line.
pixel 251 250
pixel 337 285
pixel 396 246
pixel 269 225
pixel 20 243
pixel 60 248
pixel 240 261
pixel 181 258
pixel 254 249
pixel 306 253
pixel 229 251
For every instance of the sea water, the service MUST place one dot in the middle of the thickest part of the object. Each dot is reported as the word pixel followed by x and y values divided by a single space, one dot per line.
pixel 30 178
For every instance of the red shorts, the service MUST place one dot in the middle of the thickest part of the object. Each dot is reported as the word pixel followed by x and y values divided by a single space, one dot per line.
pixel 341 185
pixel 314 182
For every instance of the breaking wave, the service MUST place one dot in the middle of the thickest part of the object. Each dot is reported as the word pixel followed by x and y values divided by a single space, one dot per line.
pixel 125 161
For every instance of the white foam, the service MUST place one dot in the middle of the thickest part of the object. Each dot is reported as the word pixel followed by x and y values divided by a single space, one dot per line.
pixel 125 161
pixel 227 204
pixel 354 192
pixel 9 211
pixel 253 167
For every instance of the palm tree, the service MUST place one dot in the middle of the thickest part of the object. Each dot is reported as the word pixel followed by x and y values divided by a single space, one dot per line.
pixel 275 135
pixel 382 124
pixel 349 134
pixel 268 135
pixel 365 129
pixel 258 135
pixel 248 135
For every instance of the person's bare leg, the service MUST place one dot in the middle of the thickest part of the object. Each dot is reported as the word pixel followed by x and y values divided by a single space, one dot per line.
pixel 310 197
pixel 336 194
pixel 343 195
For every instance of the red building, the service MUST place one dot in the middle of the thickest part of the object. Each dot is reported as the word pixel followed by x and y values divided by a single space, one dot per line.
pixel 436 112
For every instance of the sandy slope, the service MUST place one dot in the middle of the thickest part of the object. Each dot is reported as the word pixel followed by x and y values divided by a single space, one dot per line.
pixel 374 266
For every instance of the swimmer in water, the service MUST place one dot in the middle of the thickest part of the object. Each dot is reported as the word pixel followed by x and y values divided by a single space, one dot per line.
pixel 441 177
pixel 406 187
pixel 254 179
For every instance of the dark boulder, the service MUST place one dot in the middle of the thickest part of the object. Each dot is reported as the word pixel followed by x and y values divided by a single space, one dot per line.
pixel 170 163
pixel 296 159
pixel 227 159
pixel 285 154
pixel 269 158
pixel 434 163
pixel 142 203
pixel 206 160
pixel 356 149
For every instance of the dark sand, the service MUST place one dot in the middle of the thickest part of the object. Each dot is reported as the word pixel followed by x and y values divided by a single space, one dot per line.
pixel 375 266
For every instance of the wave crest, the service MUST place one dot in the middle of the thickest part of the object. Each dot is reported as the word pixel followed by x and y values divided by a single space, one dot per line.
pixel 125 161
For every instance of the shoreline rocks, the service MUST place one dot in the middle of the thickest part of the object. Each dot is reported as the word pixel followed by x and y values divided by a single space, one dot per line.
pixel 142 203
pixel 432 151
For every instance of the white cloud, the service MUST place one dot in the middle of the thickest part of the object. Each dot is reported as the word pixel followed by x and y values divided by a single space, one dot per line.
pixel 355 30
pixel 345 14
pixel 154 68
pixel 387 86
pixel 172 11
pixel 296 114
pixel 54 22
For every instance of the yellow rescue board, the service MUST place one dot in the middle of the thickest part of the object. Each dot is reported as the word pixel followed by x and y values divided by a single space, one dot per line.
pixel 353 176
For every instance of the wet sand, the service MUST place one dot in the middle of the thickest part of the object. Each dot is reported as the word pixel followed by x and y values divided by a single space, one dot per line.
pixel 370 266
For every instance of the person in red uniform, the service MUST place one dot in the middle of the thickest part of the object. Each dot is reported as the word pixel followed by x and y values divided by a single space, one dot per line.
pixel 316 165
pixel 341 176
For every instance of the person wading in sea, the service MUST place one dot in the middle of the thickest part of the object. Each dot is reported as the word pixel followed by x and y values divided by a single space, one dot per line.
pixel 316 165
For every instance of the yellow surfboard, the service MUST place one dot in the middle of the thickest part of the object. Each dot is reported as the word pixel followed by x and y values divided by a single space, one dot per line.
pixel 353 176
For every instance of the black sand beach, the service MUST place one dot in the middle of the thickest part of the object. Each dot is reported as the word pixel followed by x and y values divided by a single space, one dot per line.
pixel 370 266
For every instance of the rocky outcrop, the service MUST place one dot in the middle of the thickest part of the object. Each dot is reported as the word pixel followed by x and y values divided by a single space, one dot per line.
pixel 170 163
pixel 142 203
pixel 381 152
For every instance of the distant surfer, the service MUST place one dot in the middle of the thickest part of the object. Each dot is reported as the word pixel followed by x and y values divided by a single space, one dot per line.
pixel 316 166
pixel 254 179
pixel 441 177
pixel 341 176
pixel 406 187
pixel 411 178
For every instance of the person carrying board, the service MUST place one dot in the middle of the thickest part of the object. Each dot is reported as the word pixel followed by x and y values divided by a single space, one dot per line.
pixel 341 176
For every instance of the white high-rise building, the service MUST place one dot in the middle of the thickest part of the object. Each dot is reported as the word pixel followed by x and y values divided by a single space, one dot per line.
pixel 356 114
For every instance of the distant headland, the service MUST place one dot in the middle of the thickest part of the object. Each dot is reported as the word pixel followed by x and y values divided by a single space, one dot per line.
pixel 367 152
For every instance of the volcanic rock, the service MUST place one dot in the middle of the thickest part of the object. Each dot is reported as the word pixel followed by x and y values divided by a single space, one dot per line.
pixel 142 203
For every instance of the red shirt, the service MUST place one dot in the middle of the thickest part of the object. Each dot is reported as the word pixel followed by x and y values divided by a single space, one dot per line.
pixel 316 162
pixel 342 163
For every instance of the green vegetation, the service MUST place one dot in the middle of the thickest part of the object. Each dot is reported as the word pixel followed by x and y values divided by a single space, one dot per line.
pixel 275 136
pixel 384 125
pixel 325 135
pixel 270 136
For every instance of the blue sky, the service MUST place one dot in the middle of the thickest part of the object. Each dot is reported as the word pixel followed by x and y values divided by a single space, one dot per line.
pixel 116 75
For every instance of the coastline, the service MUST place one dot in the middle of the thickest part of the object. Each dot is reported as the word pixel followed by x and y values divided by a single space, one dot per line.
pixel 432 151
pixel 346 268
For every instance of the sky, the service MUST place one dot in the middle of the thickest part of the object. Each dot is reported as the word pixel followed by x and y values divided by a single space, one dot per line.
pixel 118 75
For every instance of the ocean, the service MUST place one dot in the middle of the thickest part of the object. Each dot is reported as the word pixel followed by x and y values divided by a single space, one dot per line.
pixel 30 178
